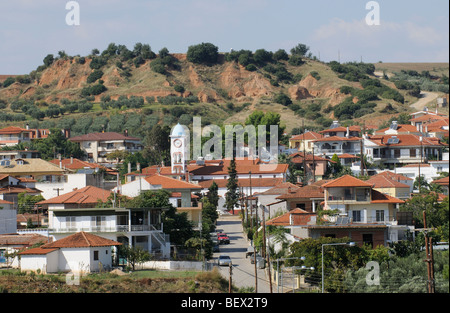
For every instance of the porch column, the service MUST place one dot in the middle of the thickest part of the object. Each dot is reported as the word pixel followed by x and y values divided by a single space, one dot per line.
pixel 313 206
pixel 129 220
pixel 149 242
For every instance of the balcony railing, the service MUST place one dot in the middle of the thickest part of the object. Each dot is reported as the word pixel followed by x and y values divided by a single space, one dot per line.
pixel 349 198
pixel 105 229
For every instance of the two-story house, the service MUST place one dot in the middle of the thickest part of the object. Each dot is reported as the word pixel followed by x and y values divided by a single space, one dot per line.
pixel 13 135
pixel 83 210
pixel 98 145
pixel 304 142
pixel 370 214
pixel 395 150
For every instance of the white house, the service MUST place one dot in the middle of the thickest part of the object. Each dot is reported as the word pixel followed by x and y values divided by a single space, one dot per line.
pixel 78 253
pixel 8 217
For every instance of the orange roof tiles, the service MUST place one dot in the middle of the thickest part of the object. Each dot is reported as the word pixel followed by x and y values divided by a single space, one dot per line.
pixel 378 197
pixel 400 128
pixel 38 251
pixel 347 181
pixel 295 217
pixel 86 195
pixel 81 240
pixel 342 129
pixel 280 189
pixel 13 130
pixel 307 136
pixel 306 192
pixel 337 138
pixel 243 182
pixel 170 183
pixel 381 181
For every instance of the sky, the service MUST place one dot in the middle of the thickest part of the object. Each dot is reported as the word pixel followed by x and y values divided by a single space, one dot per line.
pixel 335 30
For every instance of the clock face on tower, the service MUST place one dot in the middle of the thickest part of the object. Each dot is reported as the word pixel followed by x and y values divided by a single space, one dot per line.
pixel 177 143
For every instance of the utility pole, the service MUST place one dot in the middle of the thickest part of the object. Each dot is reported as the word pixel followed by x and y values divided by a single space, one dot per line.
pixel 266 253
pixel 429 259
pixel 230 279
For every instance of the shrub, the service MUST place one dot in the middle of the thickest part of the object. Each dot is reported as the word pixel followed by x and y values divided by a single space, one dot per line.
pixel 280 54
pixel 251 67
pixel 179 88
pixel 97 63
pixel 203 53
pixel 9 81
pixel 296 60
pixel 94 76
pixel 158 67
pixel 283 99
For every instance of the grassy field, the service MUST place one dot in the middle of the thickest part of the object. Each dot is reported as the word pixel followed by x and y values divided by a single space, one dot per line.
pixel 434 68
pixel 143 281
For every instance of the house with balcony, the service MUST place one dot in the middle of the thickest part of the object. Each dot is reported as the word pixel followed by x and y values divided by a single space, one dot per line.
pixel 182 197
pixel 304 142
pixel 371 214
pixel 98 145
pixel 13 135
pixel 396 150
pixel 85 210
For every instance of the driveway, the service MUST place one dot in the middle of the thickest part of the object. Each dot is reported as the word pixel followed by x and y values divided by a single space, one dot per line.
pixel 243 272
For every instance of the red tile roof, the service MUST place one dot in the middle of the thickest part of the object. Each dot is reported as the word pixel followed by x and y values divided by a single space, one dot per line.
pixel 243 182
pixel 393 176
pixel 400 129
pixel 347 181
pixel 307 136
pixel 14 130
pixel 170 183
pixel 378 197
pixel 381 181
pixel 38 251
pixel 442 181
pixel 81 240
pixel 406 140
pixel 280 189
pixel 306 192
pixel 297 217
pixel 86 195
pixel 23 240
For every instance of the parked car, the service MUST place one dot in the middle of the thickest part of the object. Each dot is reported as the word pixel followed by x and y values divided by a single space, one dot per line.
pixel 224 260
pixel 224 239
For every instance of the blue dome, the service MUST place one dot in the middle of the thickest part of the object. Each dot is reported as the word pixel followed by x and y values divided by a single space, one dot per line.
pixel 178 131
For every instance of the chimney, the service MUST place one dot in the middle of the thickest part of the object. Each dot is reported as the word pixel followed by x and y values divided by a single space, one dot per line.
pixel 129 167
pixel 71 160
pixel 138 167
pixel 27 126
pixel 348 132
pixel 125 133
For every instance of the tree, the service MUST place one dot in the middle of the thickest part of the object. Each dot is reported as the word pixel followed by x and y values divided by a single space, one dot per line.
pixel 157 145
pixel 205 53
pixel 232 195
pixel 48 60
pixel 176 225
pixel 134 255
pixel 300 49
pixel 213 195
pixel 55 144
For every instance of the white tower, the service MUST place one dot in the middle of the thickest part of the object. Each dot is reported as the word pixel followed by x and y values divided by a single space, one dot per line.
pixel 179 149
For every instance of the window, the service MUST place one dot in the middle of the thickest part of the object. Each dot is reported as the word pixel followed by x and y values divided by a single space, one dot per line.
pixel 368 239
pixel 412 153
pixel 356 216
pixel 97 221
pixel 95 255
pixel 70 222
pixel 379 215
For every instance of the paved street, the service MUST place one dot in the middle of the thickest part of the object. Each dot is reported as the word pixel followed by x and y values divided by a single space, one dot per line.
pixel 243 271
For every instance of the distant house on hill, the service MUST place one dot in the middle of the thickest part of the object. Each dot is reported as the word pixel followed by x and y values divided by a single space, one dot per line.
pixel 99 145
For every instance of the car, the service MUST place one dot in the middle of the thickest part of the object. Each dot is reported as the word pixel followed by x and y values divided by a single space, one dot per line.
pixel 225 260
pixel 224 240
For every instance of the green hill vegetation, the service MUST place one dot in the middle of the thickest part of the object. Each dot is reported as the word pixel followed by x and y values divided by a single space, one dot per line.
pixel 135 89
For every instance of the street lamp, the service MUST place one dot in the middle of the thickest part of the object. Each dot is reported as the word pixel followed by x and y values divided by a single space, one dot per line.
pixel 349 244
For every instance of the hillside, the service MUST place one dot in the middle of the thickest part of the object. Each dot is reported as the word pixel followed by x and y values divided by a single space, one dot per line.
pixel 93 92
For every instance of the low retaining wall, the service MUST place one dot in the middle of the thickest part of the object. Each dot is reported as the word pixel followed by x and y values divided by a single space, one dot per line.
pixel 173 265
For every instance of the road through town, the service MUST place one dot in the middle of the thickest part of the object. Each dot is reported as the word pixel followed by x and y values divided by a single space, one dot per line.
pixel 243 272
